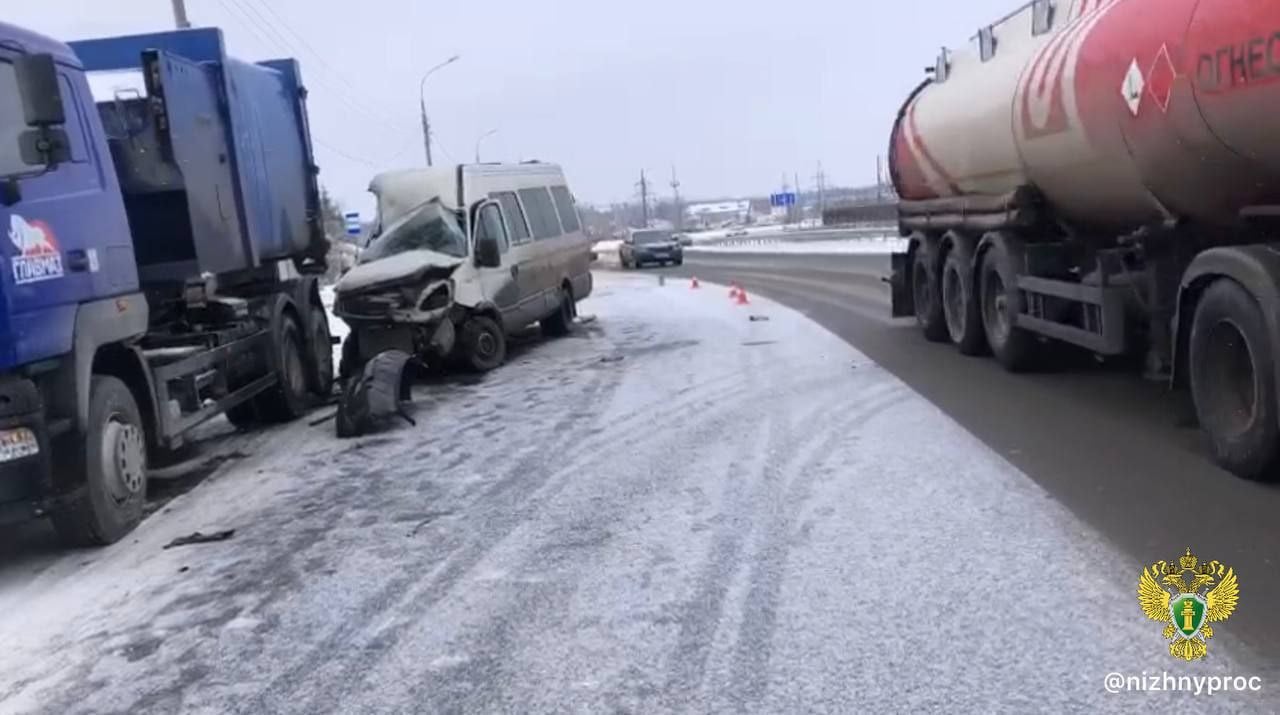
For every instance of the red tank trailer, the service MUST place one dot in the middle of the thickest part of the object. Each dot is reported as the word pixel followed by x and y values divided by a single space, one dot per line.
pixel 1106 174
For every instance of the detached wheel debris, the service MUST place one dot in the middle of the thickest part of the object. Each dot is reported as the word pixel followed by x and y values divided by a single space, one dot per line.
pixel 383 390
pixel 201 538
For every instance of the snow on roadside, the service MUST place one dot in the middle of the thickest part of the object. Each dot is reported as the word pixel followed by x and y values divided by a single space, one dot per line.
pixel 882 244
pixel 674 490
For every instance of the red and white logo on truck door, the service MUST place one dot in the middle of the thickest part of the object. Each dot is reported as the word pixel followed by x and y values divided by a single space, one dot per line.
pixel 38 258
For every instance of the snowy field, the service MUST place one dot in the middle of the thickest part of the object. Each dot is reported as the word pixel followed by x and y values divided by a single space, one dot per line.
pixel 876 245
pixel 676 508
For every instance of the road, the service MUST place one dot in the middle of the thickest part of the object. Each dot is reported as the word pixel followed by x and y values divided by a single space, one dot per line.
pixel 685 506
pixel 1121 453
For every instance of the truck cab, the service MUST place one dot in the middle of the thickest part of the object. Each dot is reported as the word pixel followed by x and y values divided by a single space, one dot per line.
pixel 158 266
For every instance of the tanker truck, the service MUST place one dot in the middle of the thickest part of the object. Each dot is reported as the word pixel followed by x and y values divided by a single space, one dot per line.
pixel 1106 174
pixel 163 248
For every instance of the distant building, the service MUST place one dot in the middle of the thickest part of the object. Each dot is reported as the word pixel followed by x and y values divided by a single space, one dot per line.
pixel 712 215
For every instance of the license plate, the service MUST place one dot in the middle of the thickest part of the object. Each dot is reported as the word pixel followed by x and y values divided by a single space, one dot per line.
pixel 18 443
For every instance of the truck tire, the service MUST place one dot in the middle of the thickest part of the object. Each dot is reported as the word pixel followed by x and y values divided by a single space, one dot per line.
pixel 961 309
pixel 111 483
pixel 320 366
pixel 928 298
pixel 482 344
pixel 559 323
pixel 288 399
pixel 1233 381
pixel 1001 303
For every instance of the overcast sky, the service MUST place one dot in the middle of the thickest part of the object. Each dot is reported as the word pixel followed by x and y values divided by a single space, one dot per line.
pixel 733 94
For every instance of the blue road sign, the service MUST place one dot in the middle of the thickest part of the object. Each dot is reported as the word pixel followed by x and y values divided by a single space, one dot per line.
pixel 783 199
pixel 353 223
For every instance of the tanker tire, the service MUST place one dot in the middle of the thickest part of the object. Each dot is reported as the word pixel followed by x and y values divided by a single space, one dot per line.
pixel 287 401
pixel 960 305
pixel 1001 303
pixel 1234 399
pixel 109 470
pixel 928 297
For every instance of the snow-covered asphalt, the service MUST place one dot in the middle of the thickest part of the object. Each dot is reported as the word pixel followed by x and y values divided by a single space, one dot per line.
pixel 677 508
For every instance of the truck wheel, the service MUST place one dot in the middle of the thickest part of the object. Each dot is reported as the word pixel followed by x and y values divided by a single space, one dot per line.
pixel 320 366
pixel 960 304
pixel 928 299
pixel 288 399
pixel 559 323
pixel 112 464
pixel 1233 381
pixel 483 344
pixel 1001 303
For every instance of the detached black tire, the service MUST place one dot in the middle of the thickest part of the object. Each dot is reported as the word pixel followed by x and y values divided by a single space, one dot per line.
pixel 1001 303
pixel 559 323
pixel 482 344
pixel 320 364
pixel 960 306
pixel 1233 381
pixel 287 401
pixel 928 297
pixel 110 470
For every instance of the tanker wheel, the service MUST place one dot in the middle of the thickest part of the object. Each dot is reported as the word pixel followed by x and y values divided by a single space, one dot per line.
pixel 960 303
pixel 1233 381
pixel 927 296
pixel 1001 304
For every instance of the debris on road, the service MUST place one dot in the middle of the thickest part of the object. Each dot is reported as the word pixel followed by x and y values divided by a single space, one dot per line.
pixel 758 318
pixel 382 391
pixel 201 538
pixel 613 358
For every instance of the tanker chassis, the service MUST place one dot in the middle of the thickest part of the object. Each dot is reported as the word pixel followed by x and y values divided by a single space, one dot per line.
pixel 1106 174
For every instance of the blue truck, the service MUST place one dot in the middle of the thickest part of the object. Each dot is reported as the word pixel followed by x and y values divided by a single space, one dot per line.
pixel 161 244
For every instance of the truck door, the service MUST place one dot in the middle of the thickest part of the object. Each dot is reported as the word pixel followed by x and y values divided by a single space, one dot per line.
pixel 66 241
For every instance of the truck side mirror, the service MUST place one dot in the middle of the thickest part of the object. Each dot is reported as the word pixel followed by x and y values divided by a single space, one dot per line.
pixel 37 77
pixel 45 144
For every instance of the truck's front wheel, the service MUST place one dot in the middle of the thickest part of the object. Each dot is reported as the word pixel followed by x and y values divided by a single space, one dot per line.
pixel 1233 381
pixel 107 502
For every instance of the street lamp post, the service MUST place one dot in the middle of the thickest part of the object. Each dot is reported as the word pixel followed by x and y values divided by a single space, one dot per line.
pixel 482 137
pixel 422 104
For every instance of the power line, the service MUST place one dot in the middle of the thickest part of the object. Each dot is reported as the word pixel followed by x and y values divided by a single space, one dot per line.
pixel 340 152
pixel 261 32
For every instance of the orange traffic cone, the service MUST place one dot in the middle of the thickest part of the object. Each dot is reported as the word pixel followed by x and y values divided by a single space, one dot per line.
pixel 742 297
pixel 733 290
pixel 693 284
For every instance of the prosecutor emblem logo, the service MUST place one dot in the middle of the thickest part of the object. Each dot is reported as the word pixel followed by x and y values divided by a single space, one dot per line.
pixel 1187 597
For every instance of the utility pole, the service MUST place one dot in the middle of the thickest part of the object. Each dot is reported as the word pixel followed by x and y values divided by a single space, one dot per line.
pixel 797 207
pixel 644 199
pixel 879 181
pixel 422 104
pixel 180 15
pixel 675 189
pixel 820 179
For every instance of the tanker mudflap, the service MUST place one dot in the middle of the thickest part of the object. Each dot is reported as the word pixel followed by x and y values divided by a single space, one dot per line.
pixel 382 392
pixel 901 297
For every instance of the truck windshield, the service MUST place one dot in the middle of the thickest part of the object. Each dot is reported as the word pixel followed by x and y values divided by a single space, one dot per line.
pixel 12 122
pixel 430 227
